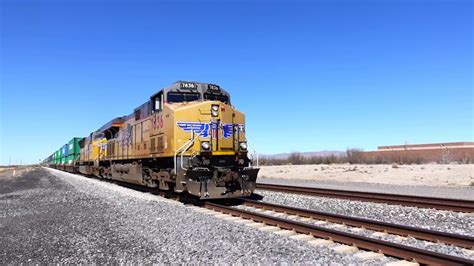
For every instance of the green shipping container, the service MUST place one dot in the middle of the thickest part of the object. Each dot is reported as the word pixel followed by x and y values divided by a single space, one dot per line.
pixel 74 146
pixel 72 158
pixel 58 157
pixel 68 153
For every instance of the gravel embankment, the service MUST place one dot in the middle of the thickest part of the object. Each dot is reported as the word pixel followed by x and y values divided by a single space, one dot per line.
pixel 49 216
pixel 466 192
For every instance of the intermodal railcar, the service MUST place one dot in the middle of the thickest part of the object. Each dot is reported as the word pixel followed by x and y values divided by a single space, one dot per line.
pixel 186 138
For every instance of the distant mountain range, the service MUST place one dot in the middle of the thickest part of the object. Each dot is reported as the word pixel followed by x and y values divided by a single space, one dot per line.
pixel 305 154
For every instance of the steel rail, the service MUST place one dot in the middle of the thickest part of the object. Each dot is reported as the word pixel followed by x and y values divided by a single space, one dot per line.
pixel 405 200
pixel 385 247
pixel 403 230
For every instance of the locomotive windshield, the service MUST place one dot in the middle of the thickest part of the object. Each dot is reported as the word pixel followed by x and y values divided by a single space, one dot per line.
pixel 216 97
pixel 175 97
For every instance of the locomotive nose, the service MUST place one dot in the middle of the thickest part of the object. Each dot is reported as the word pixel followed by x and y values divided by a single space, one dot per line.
pixel 221 183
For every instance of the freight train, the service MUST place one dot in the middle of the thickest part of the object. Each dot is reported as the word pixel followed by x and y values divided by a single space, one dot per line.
pixel 187 138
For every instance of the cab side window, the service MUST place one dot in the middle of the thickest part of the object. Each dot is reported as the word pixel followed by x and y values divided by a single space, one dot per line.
pixel 137 114
pixel 158 103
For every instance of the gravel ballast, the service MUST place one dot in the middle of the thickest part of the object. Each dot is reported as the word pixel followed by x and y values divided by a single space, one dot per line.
pixel 444 221
pixel 407 241
pixel 48 216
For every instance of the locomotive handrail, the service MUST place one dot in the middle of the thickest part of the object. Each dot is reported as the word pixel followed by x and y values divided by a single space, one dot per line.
pixel 256 156
pixel 255 153
pixel 175 157
pixel 184 150
pixel 191 140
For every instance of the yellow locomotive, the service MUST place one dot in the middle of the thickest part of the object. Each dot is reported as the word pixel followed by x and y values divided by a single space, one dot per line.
pixel 186 138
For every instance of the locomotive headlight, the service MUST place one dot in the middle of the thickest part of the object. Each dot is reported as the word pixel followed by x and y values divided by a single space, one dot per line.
pixel 215 110
pixel 243 145
pixel 205 145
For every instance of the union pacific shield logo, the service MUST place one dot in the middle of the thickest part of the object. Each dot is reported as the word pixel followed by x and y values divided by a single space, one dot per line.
pixel 227 130
pixel 199 128
pixel 207 129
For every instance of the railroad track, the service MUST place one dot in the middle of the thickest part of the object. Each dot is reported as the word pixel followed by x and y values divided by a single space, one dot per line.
pixel 362 242
pixel 402 230
pixel 405 200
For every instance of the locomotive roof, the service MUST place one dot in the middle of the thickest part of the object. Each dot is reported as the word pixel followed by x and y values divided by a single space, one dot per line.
pixel 178 86
pixel 193 86
pixel 114 122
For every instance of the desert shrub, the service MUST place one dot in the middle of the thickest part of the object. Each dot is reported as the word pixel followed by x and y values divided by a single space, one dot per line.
pixel 358 156
pixel 354 155
pixel 330 159
pixel 296 158
pixel 445 157
pixel 467 158
pixel 418 160
pixel 272 161
pixel 315 160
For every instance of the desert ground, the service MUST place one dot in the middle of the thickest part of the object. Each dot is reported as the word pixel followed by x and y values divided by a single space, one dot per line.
pixel 6 168
pixel 452 175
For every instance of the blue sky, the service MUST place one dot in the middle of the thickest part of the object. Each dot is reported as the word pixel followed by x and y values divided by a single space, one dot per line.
pixel 325 75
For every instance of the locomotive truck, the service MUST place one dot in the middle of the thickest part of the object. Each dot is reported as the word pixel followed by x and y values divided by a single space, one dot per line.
pixel 186 138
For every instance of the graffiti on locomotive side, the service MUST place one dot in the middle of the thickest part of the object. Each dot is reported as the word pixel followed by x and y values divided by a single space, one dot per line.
pixel 158 122
pixel 207 129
